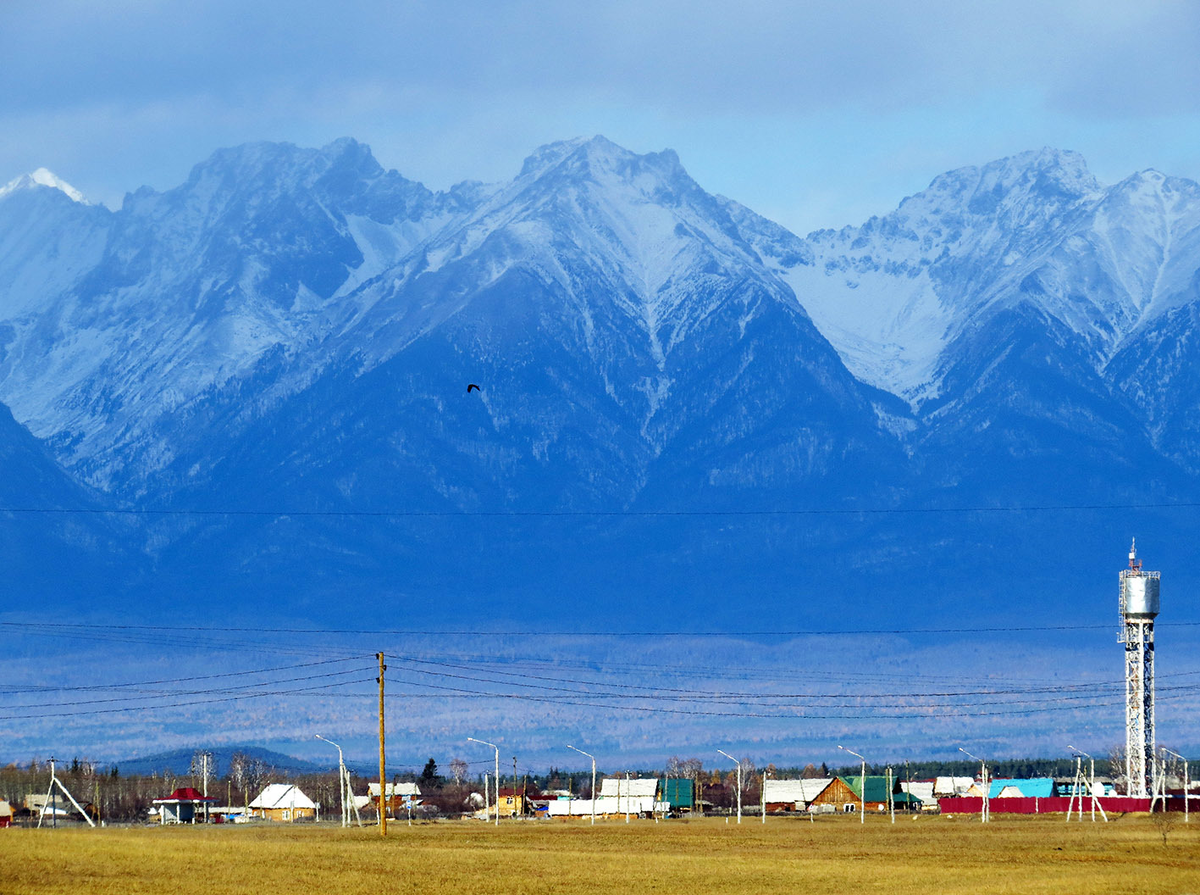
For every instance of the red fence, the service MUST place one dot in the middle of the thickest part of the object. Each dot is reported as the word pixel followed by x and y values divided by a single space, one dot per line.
pixel 1051 805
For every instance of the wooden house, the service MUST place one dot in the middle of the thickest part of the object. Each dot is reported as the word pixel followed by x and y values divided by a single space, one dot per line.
pixel 398 797
pixel 283 803
pixel 845 794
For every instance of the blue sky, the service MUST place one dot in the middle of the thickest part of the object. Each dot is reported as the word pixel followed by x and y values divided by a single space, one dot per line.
pixel 813 113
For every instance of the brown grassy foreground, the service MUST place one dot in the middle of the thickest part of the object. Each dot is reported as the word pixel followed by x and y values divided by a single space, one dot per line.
pixel 700 857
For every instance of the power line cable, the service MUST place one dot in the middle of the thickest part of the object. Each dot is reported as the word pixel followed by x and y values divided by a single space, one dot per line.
pixel 590 514
pixel 397 632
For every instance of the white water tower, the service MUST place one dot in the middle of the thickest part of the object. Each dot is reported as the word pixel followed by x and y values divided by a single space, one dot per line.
pixel 1139 606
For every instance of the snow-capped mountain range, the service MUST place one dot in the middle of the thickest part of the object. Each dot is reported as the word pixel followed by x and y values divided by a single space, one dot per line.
pixel 292 331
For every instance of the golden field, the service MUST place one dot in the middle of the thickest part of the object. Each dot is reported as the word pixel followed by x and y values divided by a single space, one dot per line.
pixel 699 857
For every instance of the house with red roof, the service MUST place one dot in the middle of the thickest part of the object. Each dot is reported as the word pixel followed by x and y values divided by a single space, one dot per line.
pixel 185 805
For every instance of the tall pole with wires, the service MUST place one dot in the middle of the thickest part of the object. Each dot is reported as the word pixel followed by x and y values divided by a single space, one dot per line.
pixel 382 760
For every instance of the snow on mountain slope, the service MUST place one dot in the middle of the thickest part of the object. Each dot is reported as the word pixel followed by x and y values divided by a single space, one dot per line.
pixel 273 268
pixel 625 333
pixel 48 241
pixel 619 233
pixel 186 291
pixel 893 294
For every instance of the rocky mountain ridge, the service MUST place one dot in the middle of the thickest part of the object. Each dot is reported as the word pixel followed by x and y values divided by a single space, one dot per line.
pixel 288 335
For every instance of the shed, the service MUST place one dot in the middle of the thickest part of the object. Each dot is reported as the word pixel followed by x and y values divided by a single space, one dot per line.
pixel 182 806
pixel 283 802
pixel 6 813
pixel 678 793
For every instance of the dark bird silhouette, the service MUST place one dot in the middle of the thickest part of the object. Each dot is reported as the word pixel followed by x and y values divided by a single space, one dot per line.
pixel 472 386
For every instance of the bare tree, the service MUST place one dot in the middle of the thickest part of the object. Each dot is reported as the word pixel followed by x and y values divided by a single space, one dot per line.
pixel 203 769
pixel 1116 765
pixel 248 774
pixel 458 770
pixel 687 768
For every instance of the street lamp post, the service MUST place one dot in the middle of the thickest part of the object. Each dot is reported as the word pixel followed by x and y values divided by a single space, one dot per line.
pixel 1187 783
pixel 862 786
pixel 341 779
pixel 984 812
pixel 739 782
pixel 497 748
pixel 1091 788
pixel 766 773
pixel 593 758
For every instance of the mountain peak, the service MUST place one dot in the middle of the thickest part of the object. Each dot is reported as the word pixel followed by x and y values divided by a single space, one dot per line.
pixel 597 153
pixel 43 177
pixel 1051 177
pixel 551 154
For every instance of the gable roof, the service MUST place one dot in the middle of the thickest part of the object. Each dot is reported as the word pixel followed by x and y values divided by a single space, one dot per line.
pixel 952 786
pixel 392 790
pixel 803 790
pixel 282 795
pixel 188 794
pixel 876 787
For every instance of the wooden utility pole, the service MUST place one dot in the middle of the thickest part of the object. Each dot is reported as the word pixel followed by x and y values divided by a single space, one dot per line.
pixel 382 764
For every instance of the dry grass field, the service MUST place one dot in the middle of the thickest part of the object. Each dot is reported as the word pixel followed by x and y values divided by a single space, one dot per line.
pixel 704 857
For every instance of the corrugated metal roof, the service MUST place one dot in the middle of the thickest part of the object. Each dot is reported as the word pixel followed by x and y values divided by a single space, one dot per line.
pixel 636 787
pixel 282 795
pixel 403 790
pixel 923 790
pixel 803 790
pixel 949 786
pixel 1034 787
pixel 876 787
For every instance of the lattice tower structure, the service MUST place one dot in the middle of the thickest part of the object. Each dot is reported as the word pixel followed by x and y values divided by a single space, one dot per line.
pixel 1139 607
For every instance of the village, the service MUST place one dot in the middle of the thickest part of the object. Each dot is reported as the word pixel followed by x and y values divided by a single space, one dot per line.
pixel 35 798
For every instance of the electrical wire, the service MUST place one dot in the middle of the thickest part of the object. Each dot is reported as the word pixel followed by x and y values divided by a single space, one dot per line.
pixel 587 514
pixel 376 632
